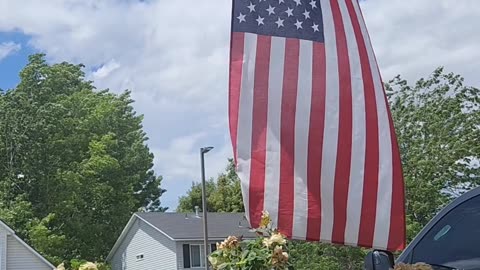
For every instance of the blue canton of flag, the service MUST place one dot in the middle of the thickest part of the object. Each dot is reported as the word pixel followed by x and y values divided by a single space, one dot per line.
pixel 300 19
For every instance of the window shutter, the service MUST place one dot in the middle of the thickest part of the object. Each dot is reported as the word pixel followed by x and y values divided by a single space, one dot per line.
pixel 213 247
pixel 186 256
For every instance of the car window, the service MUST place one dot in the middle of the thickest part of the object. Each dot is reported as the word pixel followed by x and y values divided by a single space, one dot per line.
pixel 455 240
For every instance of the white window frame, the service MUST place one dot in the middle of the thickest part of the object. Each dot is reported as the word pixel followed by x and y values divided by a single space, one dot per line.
pixel 140 259
pixel 202 260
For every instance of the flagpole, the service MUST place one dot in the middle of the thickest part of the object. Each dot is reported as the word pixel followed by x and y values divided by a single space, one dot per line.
pixel 203 151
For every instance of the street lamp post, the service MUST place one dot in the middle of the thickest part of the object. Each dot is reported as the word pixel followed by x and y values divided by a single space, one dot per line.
pixel 203 151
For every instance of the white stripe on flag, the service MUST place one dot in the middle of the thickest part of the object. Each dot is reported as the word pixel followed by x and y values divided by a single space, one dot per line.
pixel 384 199
pixel 355 194
pixel 302 125
pixel 331 123
pixel 272 166
pixel 385 177
pixel 245 111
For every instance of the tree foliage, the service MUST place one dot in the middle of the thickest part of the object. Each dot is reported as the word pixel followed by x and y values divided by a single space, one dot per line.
pixel 74 164
pixel 310 255
pixel 437 122
pixel 223 195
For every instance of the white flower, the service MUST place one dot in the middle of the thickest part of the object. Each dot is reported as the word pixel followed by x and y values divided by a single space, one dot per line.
pixel 276 238
pixel 88 266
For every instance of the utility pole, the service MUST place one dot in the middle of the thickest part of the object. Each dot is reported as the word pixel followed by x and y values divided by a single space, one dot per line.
pixel 203 151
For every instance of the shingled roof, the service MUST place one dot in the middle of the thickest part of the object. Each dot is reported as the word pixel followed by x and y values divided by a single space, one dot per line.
pixel 179 226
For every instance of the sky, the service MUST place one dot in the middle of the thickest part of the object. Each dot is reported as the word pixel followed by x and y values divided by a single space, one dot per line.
pixel 173 56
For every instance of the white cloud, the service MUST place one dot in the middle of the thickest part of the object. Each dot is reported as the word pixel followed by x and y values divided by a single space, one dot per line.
pixel 173 55
pixel 182 160
pixel 412 38
pixel 8 48
pixel 183 157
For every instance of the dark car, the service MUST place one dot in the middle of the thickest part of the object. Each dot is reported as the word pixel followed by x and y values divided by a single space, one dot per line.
pixel 451 240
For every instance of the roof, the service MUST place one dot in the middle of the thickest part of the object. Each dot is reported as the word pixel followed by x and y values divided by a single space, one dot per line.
pixel 33 251
pixel 180 226
pixel 188 227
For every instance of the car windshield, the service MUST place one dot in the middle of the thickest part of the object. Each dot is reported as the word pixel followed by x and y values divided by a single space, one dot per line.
pixel 454 241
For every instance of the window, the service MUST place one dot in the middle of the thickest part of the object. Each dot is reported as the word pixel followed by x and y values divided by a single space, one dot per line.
pixel 454 240
pixel 196 256
pixel 193 256
pixel 140 257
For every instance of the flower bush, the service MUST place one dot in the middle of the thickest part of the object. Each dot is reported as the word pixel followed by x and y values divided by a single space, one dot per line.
pixel 417 266
pixel 82 265
pixel 268 251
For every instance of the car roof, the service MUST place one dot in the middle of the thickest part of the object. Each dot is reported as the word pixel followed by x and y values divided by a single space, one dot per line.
pixel 456 202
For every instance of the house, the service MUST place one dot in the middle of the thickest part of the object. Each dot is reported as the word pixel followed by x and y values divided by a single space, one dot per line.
pixel 153 241
pixel 15 254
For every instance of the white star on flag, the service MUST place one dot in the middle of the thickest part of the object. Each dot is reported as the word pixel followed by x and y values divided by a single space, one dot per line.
pixel 298 24
pixel 279 22
pixel 241 18
pixel 260 20
pixel 299 2
pixel 306 14
pixel 289 12
pixel 251 7
pixel 271 10
pixel 313 3
pixel 315 28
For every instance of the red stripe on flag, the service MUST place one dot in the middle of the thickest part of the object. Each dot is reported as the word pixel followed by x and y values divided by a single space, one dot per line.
pixel 259 132
pixel 344 147
pixel 397 232
pixel 370 184
pixel 287 136
pixel 396 240
pixel 315 141
pixel 235 84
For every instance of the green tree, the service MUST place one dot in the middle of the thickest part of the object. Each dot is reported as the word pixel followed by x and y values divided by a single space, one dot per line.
pixel 223 195
pixel 74 164
pixel 437 123
pixel 309 255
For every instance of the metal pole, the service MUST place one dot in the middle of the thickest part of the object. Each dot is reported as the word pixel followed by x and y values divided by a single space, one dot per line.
pixel 204 204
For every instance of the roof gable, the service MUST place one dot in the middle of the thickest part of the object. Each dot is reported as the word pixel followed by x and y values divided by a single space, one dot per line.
pixel 11 232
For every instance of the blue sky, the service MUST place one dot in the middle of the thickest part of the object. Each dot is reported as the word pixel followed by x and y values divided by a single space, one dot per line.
pixel 177 69
pixel 11 65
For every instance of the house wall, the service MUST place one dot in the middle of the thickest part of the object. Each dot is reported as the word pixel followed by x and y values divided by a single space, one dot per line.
pixel 20 258
pixel 3 248
pixel 180 252
pixel 157 249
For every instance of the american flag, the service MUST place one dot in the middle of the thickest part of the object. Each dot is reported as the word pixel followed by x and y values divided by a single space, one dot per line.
pixel 312 133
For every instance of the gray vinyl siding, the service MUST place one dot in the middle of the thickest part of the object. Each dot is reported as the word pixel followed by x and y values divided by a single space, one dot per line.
pixel 20 258
pixel 159 251
pixel 3 248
